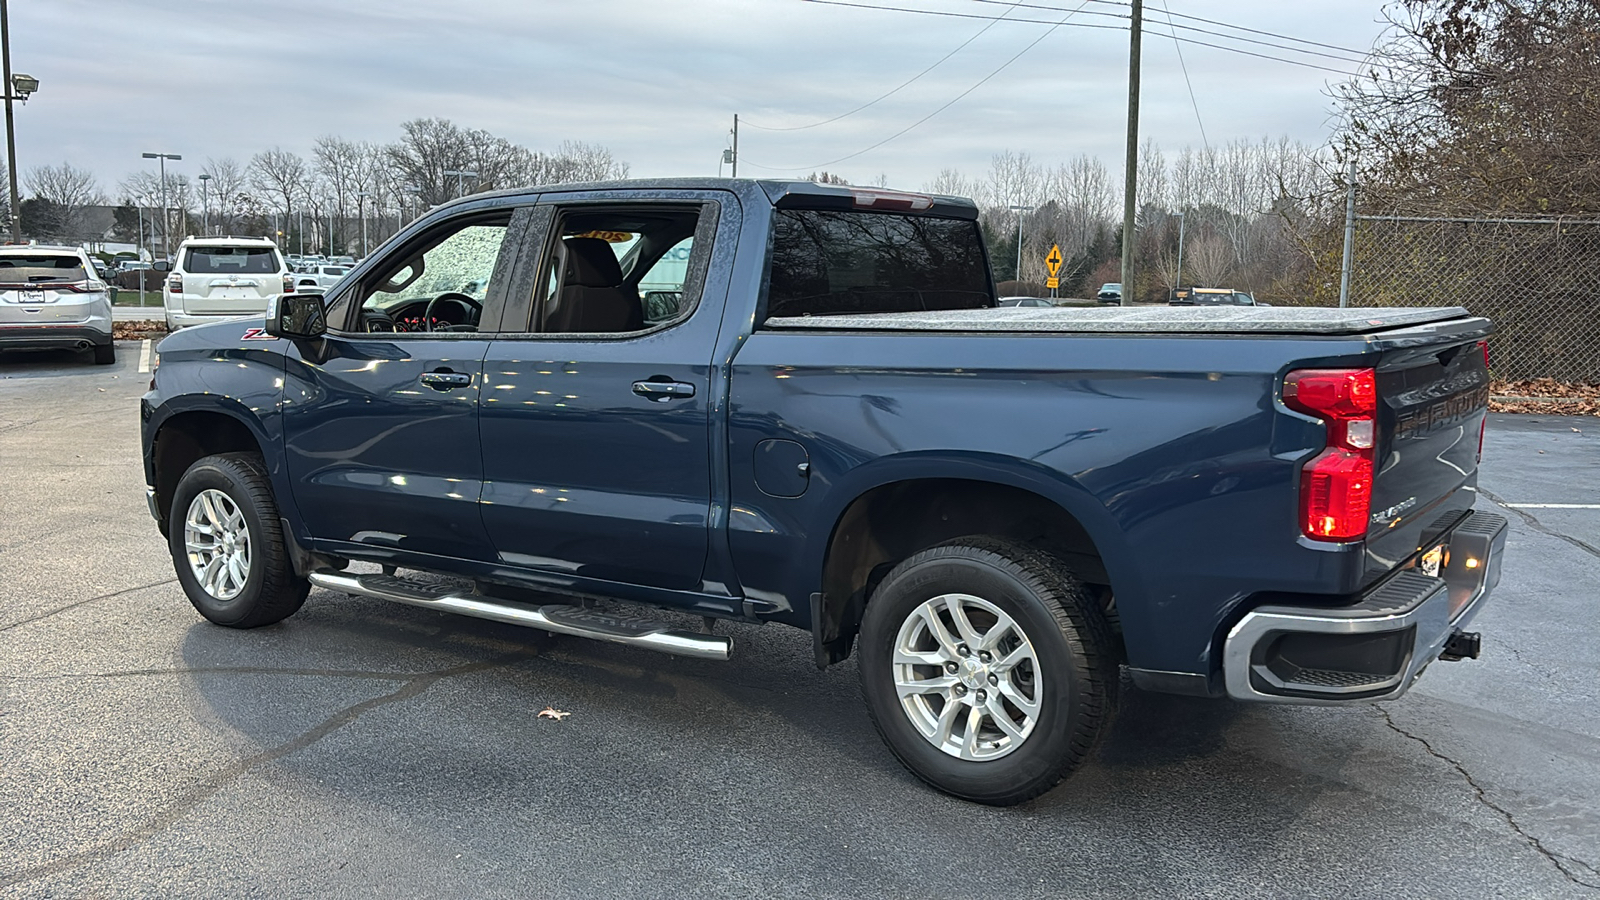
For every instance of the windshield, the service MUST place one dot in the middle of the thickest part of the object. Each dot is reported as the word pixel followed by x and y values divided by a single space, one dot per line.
pixel 231 261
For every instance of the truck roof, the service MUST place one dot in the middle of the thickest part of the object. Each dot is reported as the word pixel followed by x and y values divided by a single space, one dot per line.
pixel 781 193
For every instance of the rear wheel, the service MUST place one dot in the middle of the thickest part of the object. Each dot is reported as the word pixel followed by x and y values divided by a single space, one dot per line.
pixel 988 669
pixel 227 544
pixel 105 354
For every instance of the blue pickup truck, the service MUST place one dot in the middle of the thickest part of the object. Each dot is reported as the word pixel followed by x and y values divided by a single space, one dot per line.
pixel 572 408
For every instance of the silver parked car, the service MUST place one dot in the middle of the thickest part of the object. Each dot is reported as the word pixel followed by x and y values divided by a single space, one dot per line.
pixel 52 298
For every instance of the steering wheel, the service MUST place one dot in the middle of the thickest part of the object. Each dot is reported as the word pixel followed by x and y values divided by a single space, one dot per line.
pixel 471 307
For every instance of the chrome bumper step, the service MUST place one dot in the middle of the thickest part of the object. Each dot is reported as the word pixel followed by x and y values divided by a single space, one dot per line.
pixel 558 619
pixel 1375 648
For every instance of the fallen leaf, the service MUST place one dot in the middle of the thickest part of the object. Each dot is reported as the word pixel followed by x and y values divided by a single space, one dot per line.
pixel 550 712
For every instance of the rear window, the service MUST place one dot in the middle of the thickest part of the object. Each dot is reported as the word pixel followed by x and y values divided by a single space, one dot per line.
pixel 231 261
pixel 832 263
pixel 41 267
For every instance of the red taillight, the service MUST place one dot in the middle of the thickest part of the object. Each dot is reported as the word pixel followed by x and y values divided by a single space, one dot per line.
pixel 175 283
pixel 1484 346
pixel 1336 486
pixel 81 287
pixel 288 284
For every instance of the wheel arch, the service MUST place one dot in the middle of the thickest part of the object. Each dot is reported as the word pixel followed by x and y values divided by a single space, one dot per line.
pixel 898 506
pixel 185 435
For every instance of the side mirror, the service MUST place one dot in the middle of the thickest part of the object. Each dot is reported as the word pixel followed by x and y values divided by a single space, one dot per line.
pixel 297 317
pixel 161 265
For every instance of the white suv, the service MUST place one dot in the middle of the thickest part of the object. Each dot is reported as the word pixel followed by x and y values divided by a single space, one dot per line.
pixel 223 277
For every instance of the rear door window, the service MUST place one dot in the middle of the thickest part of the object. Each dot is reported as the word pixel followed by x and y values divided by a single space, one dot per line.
pixel 832 263
pixel 231 261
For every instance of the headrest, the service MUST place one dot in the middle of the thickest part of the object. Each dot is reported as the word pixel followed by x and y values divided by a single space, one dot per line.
pixel 590 263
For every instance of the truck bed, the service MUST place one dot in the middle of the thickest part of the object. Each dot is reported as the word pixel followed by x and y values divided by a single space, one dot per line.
pixel 1137 320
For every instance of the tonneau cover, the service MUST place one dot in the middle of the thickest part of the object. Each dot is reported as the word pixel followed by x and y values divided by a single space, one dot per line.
pixel 1137 320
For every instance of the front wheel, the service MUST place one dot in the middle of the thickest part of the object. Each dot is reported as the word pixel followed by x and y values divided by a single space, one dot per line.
pixel 228 546
pixel 987 668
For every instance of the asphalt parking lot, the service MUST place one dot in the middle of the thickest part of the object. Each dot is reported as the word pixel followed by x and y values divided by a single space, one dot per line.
pixel 368 749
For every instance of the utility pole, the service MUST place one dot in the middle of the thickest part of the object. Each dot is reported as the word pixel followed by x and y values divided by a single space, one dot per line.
pixel 735 145
pixel 1130 182
pixel 11 130
pixel 1349 234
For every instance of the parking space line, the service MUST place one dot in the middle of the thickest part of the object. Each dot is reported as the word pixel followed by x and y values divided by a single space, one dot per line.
pixel 1553 505
pixel 144 357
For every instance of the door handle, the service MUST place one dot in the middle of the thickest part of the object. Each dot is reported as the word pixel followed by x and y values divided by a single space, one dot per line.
pixel 662 391
pixel 444 379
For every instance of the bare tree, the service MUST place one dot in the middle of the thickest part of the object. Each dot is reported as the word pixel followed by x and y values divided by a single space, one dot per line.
pixel 338 165
pixel 951 182
pixel 225 183
pixel 67 189
pixel 1208 258
pixel 281 175
pixel 1479 106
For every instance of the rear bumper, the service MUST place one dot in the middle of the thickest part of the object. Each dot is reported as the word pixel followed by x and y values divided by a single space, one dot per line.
pixel 1376 648
pixel 184 320
pixel 55 337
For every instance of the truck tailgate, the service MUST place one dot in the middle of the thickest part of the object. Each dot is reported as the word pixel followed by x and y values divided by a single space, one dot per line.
pixel 1433 391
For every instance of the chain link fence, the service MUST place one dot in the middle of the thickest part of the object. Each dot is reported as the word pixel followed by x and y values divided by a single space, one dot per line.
pixel 1539 280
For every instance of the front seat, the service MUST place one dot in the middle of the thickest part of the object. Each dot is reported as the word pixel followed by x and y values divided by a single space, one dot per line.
pixel 593 298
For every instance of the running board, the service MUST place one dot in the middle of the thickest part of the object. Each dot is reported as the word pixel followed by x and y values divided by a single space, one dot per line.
pixel 588 623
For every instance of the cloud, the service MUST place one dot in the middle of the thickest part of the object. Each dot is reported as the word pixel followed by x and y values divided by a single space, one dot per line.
pixel 658 83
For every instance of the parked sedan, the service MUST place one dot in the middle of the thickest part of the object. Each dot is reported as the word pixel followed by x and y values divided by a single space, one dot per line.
pixel 1024 301
pixel 1110 292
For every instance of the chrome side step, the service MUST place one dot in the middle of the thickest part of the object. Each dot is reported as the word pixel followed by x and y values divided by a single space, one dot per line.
pixel 588 623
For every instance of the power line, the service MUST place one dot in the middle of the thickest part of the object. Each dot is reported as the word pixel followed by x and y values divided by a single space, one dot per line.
pixel 956 15
pixel 1187 83
pixel 1002 67
pixel 1186 40
pixel 897 90
pixel 1344 55
pixel 1273 34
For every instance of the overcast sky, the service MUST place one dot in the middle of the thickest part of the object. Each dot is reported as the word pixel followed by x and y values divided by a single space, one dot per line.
pixel 656 81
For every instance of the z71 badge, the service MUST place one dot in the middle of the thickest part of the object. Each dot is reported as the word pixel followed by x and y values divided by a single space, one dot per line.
pixel 257 334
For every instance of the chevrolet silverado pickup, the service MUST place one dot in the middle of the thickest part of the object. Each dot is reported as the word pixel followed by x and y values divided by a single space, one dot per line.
pixel 593 409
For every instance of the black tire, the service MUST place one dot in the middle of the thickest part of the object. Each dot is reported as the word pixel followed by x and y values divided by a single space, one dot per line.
pixel 105 354
pixel 1076 666
pixel 271 591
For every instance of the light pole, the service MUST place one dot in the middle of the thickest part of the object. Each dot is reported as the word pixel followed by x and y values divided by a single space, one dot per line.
pixel 459 175
pixel 205 204
pixel 1178 281
pixel 361 210
pixel 416 199
pixel 17 87
pixel 1021 210
pixel 166 236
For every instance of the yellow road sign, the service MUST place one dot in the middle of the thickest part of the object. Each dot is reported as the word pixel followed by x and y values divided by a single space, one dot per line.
pixel 1052 282
pixel 1053 262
